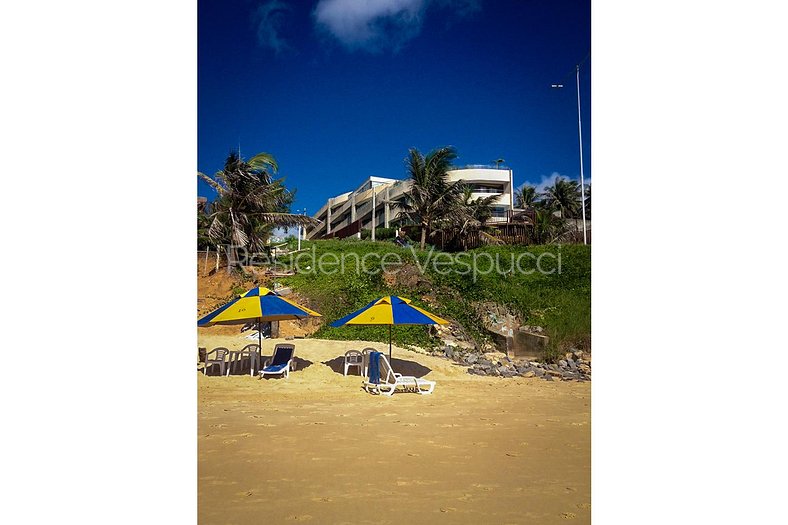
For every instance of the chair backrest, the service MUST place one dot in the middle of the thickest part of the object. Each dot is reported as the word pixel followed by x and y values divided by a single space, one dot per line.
pixel 365 356
pixel 282 354
pixel 353 356
pixel 201 353
pixel 386 372
pixel 217 354
pixel 250 349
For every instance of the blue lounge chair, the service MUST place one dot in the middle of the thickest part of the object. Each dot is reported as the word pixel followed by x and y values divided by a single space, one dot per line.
pixel 281 363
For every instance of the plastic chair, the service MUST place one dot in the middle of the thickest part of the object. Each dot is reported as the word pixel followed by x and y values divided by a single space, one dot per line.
pixel 251 351
pixel 365 359
pixel 282 362
pixel 219 354
pixel 389 380
pixel 354 358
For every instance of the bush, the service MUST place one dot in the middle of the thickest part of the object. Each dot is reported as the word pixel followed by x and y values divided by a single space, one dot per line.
pixel 382 234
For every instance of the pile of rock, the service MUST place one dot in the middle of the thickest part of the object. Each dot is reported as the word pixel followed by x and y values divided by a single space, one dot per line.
pixel 453 336
pixel 575 365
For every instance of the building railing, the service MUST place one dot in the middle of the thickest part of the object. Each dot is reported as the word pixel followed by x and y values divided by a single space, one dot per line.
pixel 480 167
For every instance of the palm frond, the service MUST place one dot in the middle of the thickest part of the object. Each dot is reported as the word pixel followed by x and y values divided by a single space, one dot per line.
pixel 212 183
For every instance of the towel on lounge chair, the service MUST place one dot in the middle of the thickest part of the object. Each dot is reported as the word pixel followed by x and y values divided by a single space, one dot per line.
pixel 374 367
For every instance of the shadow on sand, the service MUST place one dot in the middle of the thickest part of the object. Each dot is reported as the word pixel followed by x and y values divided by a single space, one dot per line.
pixel 401 366
pixel 243 367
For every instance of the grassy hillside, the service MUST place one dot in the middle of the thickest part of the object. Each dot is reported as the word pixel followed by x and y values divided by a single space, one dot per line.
pixel 558 301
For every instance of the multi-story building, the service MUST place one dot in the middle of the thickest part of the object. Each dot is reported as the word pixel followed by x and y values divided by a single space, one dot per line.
pixel 373 201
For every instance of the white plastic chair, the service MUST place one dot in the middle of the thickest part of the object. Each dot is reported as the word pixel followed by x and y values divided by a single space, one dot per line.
pixel 390 381
pixel 218 359
pixel 252 352
pixel 365 359
pixel 354 358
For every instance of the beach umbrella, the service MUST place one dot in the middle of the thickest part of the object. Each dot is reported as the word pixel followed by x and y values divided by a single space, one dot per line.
pixel 258 304
pixel 390 310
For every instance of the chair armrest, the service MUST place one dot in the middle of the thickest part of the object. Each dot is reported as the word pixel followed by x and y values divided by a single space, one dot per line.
pixel 292 364
pixel 266 362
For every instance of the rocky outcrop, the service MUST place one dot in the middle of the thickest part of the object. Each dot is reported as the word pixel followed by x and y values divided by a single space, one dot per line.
pixel 575 366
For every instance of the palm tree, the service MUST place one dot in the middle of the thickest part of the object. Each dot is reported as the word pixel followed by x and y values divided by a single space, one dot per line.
pixel 525 196
pixel 588 201
pixel 547 227
pixel 203 225
pixel 431 195
pixel 479 210
pixel 564 197
pixel 250 202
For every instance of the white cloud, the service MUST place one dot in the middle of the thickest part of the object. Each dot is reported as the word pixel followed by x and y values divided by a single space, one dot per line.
pixel 269 19
pixel 378 25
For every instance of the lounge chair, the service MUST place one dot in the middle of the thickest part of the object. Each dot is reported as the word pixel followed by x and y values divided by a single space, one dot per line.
pixel 382 379
pixel 365 360
pixel 354 358
pixel 282 361
pixel 216 357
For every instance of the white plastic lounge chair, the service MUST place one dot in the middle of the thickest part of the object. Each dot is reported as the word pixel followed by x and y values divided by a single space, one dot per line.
pixel 281 363
pixel 216 357
pixel 354 358
pixel 365 359
pixel 390 380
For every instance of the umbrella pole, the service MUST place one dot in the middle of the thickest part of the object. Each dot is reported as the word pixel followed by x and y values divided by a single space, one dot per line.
pixel 389 343
pixel 259 341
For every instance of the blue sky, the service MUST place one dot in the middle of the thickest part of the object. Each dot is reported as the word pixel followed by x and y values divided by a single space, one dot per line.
pixel 338 90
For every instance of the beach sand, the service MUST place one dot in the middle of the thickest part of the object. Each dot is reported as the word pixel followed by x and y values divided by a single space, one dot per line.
pixel 317 448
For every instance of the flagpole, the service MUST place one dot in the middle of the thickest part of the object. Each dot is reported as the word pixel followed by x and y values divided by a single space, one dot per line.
pixel 390 344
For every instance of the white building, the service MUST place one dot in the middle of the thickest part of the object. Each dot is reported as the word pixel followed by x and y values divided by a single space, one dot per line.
pixel 348 213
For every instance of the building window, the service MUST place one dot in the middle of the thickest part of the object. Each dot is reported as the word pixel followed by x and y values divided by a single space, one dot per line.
pixel 498 211
pixel 486 188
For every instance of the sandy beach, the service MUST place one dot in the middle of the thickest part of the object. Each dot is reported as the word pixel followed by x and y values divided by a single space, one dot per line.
pixel 317 448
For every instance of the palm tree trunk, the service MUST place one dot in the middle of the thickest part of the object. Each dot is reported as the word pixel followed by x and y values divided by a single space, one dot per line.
pixel 423 236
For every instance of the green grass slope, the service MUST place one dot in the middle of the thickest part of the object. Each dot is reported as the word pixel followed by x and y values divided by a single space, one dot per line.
pixel 558 298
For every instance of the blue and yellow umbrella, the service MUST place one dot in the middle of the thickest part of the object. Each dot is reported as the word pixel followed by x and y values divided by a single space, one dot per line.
pixel 259 304
pixel 389 310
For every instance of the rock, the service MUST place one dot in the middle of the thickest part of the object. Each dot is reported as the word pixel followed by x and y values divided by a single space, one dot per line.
pixel 538 371
pixel 584 368
pixel 485 362
pixel 572 364
pixel 562 363
pixel 528 373
pixel 548 378
pixel 554 373
pixel 471 359
pixel 533 363
pixel 568 356
pixel 448 351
